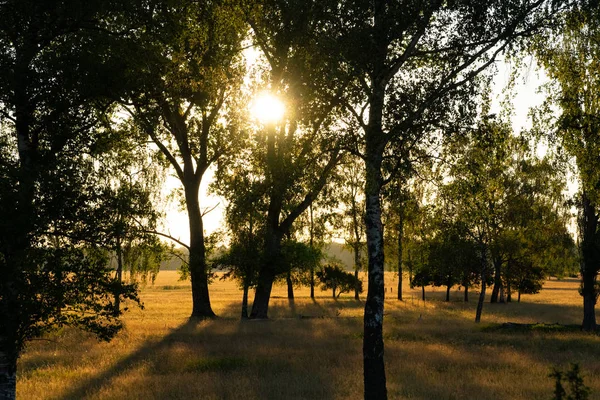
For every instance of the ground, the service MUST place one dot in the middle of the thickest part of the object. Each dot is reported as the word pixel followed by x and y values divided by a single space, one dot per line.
pixel 312 349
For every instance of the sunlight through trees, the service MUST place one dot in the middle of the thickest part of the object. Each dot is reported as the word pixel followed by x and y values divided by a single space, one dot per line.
pixel 314 122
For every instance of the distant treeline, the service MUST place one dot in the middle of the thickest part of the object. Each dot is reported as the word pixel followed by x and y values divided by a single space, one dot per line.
pixel 333 251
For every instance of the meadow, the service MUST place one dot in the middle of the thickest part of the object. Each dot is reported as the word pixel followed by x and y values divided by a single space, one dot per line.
pixel 313 349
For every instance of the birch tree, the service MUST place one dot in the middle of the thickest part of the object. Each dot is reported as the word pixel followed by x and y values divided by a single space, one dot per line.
pixel 413 67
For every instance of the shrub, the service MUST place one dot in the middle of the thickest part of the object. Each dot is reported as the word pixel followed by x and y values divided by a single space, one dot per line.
pixel 335 278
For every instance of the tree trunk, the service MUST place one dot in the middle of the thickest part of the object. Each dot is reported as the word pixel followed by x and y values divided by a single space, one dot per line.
pixel 312 282
pixel 400 249
pixel 356 245
pixel 333 290
pixel 423 293
pixel 8 371
pixel 272 249
pixel 589 262
pixel 448 292
pixel 483 285
pixel 481 299
pixel 410 267
pixel 399 289
pixel 245 302
pixel 509 266
pixel 589 312
pixel 357 285
pixel 519 296
pixel 375 142
pixel 357 267
pixel 18 242
pixel 312 265
pixel 262 295
pixel 373 348
pixel 201 307
pixel 290 285
pixel 497 279
pixel 466 295
pixel 119 276
pixel 266 276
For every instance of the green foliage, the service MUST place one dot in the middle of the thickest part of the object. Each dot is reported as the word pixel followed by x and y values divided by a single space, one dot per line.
pixel 577 389
pixel 77 288
pixel 570 55
pixel 300 258
pixel 126 218
pixel 242 260
pixel 128 212
pixel 245 225
pixel 183 75
pixel 527 278
pixel 404 216
pixel 334 278
pixel 423 277
pixel 56 74
pixel 347 185
pixel 514 207
pixel 143 260
pixel 452 257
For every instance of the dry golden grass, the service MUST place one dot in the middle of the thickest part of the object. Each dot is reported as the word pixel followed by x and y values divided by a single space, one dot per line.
pixel 433 350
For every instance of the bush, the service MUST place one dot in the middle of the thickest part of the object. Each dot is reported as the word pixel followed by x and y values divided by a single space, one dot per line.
pixel 334 278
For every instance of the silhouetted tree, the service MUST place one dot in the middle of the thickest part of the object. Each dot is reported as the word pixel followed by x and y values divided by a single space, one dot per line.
pixel 183 93
pixel 56 74
pixel 339 281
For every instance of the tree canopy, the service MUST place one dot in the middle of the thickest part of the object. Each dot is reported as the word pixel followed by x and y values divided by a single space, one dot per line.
pixel 383 135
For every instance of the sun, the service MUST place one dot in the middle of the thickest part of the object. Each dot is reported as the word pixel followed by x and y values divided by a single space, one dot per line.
pixel 267 109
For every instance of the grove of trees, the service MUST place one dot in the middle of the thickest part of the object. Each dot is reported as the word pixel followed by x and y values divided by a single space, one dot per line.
pixel 387 140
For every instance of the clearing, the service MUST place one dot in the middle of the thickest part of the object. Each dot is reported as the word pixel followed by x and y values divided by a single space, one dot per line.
pixel 313 349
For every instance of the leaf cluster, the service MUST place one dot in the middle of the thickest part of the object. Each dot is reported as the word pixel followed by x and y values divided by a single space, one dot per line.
pixel 332 277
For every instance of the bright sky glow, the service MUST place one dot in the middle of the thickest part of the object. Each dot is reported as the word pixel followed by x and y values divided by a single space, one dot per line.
pixel 267 109
pixel 176 221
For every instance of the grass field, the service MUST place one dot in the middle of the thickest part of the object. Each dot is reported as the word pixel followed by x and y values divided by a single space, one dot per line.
pixel 312 349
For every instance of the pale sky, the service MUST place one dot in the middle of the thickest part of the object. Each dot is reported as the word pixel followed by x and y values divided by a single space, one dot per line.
pixel 176 221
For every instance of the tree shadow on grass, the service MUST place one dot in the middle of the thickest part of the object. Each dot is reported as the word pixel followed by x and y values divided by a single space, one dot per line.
pixel 221 358
pixel 52 352
pixel 495 364
pixel 302 307
pixel 143 355
pixel 534 312
pixel 321 357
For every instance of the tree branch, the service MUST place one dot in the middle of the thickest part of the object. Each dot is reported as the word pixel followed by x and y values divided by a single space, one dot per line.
pixel 179 242
pixel 309 198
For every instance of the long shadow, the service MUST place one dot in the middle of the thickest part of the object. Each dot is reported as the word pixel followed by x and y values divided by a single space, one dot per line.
pixel 542 349
pixel 201 359
pixel 571 280
pixel 300 307
pixel 536 312
pixel 140 356
pixel 525 311
pixel 41 354
pixel 292 305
